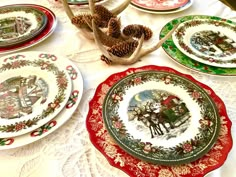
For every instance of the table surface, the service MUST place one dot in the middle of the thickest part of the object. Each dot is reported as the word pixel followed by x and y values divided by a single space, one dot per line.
pixel 68 152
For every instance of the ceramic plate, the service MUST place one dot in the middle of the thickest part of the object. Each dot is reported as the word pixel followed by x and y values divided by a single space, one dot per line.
pixel 161 117
pixel 208 40
pixel 33 90
pixel 160 6
pixel 119 158
pixel 80 2
pixel 61 118
pixel 46 32
pixel 19 24
pixel 176 55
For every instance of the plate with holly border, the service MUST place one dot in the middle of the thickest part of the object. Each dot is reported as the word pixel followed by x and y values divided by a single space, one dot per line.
pixel 20 23
pixel 62 117
pixel 176 55
pixel 117 157
pixel 33 90
pixel 208 40
pixel 161 7
pixel 161 117
pixel 44 34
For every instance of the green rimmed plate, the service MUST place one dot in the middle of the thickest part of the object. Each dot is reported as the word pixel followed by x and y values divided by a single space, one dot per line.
pixel 19 23
pixel 161 117
pixel 174 53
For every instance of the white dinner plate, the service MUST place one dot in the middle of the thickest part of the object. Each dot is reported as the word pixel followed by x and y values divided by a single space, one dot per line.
pixel 61 118
pixel 34 88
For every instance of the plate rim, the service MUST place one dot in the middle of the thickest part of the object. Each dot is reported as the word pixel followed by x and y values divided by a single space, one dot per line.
pixel 176 10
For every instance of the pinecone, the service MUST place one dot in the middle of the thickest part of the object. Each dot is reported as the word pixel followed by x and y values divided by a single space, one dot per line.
pixel 137 31
pixel 114 28
pixel 103 12
pixel 105 59
pixel 79 20
pixel 123 48
pixel 120 50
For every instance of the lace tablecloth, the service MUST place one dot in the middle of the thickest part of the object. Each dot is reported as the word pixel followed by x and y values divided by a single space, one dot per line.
pixel 68 152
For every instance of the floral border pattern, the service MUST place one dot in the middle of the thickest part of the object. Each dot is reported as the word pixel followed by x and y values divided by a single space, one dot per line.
pixel 179 34
pixel 135 167
pixel 184 152
pixel 176 55
pixel 62 84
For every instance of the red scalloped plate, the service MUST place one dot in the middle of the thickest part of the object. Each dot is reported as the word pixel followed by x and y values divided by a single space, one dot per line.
pixel 46 32
pixel 118 158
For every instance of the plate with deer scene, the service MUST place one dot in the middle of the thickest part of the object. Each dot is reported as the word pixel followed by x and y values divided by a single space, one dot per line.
pixel 161 117
pixel 58 120
pixel 160 6
pixel 19 23
pixel 44 34
pixel 101 137
pixel 210 40
pixel 33 90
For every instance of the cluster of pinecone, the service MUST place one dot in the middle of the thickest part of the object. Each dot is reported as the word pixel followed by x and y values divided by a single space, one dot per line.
pixel 119 42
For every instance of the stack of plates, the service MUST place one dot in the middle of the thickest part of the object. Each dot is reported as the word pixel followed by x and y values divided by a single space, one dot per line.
pixel 24 25
pixel 155 121
pixel 39 92
pixel 203 43
pixel 161 6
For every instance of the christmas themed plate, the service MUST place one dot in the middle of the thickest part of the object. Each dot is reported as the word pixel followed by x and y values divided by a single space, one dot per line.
pixel 19 23
pixel 33 90
pixel 160 6
pixel 46 32
pixel 100 135
pixel 80 2
pixel 161 117
pixel 174 53
pixel 210 40
pixel 61 118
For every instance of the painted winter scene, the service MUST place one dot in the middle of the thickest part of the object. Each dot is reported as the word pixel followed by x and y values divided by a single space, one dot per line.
pixel 19 94
pixel 158 113
pixel 213 43
pixel 161 117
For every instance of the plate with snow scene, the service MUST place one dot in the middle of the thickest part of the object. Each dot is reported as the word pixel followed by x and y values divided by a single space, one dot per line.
pixel 161 117
pixel 19 23
pixel 33 90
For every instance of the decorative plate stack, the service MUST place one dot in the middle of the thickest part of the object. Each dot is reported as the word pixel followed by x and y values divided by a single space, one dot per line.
pixel 39 92
pixel 203 43
pixel 156 121
pixel 24 25
pixel 161 6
